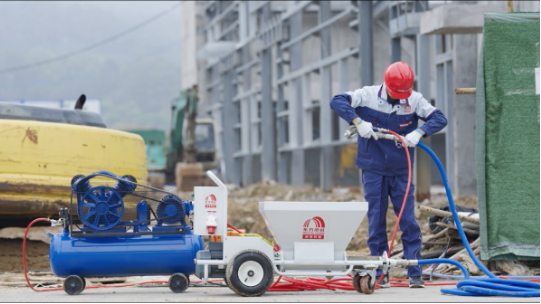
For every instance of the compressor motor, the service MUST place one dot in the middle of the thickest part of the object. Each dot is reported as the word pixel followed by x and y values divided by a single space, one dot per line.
pixel 107 246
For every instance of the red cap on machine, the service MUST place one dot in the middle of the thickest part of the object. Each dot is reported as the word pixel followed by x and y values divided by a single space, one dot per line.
pixel 398 78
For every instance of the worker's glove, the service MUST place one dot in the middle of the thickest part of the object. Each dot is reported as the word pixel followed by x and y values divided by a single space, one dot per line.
pixel 364 128
pixel 413 138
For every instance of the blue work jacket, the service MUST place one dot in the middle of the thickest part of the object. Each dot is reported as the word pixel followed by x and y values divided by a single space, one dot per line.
pixel 370 103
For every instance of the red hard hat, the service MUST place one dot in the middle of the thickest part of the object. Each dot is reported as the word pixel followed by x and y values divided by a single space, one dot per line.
pixel 398 78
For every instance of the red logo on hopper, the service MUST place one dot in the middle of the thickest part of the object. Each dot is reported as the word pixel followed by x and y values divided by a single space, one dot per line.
pixel 210 201
pixel 314 231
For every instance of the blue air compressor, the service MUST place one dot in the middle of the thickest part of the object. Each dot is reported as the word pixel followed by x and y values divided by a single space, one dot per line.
pixel 106 246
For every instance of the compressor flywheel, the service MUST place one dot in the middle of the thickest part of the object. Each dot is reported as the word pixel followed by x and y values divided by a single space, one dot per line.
pixel 101 208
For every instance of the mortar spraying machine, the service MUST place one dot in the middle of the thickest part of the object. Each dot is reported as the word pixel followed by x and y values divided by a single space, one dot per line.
pixel 312 238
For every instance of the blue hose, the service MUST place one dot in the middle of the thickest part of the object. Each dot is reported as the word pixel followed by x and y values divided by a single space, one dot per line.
pixel 492 286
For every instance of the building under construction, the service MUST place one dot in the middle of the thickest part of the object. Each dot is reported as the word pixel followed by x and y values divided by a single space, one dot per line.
pixel 266 71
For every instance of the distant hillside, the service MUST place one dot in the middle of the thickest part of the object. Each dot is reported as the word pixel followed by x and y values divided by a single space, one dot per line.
pixel 135 76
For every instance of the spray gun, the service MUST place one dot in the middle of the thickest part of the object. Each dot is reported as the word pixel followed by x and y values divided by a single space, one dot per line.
pixel 380 133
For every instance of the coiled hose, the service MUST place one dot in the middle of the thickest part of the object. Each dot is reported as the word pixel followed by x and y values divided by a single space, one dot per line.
pixel 492 286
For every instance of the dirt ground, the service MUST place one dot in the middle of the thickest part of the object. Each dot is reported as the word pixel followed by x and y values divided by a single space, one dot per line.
pixel 11 259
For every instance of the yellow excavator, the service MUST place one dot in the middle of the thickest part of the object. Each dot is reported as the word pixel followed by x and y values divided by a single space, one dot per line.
pixel 44 148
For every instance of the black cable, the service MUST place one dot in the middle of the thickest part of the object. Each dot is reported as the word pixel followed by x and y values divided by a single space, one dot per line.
pixel 92 46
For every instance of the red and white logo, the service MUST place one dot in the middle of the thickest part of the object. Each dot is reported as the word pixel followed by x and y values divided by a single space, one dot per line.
pixel 314 229
pixel 407 109
pixel 210 201
pixel 405 124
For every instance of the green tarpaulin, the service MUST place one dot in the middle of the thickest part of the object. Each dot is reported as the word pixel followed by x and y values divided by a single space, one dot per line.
pixel 507 137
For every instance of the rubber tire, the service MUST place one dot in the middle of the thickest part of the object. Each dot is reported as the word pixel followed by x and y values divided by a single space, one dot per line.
pixel 178 283
pixel 232 273
pixel 227 281
pixel 367 286
pixel 74 285
pixel 356 282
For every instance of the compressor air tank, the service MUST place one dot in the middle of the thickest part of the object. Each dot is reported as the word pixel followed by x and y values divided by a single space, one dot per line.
pixel 138 255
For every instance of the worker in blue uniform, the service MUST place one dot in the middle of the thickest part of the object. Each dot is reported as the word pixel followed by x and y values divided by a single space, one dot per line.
pixel 394 106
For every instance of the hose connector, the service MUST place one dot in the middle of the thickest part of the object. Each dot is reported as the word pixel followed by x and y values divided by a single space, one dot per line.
pixel 406 263
pixel 55 223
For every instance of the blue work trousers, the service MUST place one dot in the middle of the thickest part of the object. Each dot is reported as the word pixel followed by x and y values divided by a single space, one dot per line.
pixel 377 190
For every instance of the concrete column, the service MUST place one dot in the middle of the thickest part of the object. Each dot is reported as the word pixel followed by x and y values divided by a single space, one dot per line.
pixel 396 51
pixel 268 116
pixel 247 177
pixel 296 117
pixel 343 71
pixel 367 42
pixel 283 157
pixel 464 76
pixel 243 20
pixel 227 125
pixel 327 152
pixel 450 134
pixel 423 160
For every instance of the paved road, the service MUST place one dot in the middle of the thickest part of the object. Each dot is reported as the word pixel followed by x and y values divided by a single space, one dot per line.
pixel 221 294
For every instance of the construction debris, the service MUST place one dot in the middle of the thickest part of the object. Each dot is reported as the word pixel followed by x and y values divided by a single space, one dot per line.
pixel 446 214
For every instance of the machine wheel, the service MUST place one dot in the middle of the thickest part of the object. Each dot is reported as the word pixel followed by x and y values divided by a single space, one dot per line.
pixel 178 283
pixel 250 273
pixel 356 282
pixel 74 285
pixel 367 284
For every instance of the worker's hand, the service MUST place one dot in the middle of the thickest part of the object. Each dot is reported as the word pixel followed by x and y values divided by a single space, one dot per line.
pixel 413 138
pixel 364 128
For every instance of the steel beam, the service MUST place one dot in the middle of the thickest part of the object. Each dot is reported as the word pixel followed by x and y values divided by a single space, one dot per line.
pixel 317 28
pixel 223 13
pixel 296 73
pixel 299 7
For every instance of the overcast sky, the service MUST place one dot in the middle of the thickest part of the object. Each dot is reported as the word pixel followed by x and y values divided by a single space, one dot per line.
pixel 138 72
pixel 133 9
